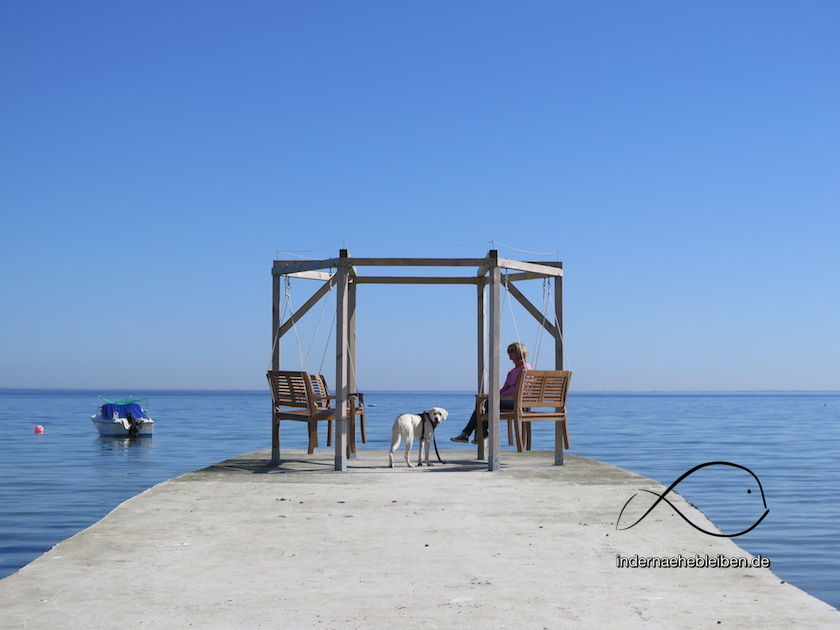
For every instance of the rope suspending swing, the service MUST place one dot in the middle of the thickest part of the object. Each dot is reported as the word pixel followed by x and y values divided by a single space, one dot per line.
pixel 542 317
pixel 288 307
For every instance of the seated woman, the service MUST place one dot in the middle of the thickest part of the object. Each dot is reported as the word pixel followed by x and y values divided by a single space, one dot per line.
pixel 518 353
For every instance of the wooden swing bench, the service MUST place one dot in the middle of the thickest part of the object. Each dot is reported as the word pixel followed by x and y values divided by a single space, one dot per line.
pixel 306 398
pixel 540 396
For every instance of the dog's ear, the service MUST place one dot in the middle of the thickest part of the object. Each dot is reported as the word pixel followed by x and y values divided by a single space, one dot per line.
pixel 444 413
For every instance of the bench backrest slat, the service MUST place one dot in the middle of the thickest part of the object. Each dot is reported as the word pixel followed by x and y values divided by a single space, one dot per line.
pixel 290 389
pixel 542 388
pixel 320 391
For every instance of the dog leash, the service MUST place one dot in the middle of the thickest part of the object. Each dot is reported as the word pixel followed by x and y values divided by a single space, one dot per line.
pixel 423 417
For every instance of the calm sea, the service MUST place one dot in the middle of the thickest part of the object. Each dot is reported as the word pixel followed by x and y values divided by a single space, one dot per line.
pixel 55 484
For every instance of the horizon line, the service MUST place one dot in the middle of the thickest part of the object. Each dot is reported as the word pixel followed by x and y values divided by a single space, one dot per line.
pixel 454 391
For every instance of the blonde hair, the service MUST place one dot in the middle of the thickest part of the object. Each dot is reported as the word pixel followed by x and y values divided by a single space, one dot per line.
pixel 520 349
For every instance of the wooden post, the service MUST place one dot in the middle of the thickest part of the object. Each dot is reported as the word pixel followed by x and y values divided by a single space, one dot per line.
pixel 275 360
pixel 351 349
pixel 558 361
pixel 481 341
pixel 341 365
pixel 558 312
pixel 275 322
pixel 493 408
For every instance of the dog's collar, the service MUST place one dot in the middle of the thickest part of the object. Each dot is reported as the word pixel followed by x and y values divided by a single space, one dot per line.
pixel 425 416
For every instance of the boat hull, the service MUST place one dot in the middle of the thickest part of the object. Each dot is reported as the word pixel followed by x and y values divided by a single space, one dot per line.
pixel 120 428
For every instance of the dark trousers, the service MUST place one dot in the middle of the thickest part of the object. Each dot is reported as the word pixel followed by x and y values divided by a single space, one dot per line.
pixel 505 404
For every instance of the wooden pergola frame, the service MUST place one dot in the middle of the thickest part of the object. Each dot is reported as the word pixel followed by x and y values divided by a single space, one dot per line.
pixel 343 273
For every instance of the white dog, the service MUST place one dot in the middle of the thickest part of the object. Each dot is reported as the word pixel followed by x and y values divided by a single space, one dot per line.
pixel 409 426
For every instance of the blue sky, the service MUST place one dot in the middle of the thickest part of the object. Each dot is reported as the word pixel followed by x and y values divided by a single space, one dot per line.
pixel 681 159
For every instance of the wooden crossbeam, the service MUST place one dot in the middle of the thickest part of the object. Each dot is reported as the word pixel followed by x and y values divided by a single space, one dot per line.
pixel 533 310
pixel 312 301
pixel 417 280
pixel 539 268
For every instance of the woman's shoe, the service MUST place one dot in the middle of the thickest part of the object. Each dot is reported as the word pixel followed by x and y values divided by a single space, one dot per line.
pixel 461 438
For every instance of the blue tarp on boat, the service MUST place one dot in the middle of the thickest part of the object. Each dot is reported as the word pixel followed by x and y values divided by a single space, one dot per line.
pixel 108 410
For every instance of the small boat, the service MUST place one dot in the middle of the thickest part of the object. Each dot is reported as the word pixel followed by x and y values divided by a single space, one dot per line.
pixel 123 418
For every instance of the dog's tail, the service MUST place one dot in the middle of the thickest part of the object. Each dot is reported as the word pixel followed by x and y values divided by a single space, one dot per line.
pixel 396 438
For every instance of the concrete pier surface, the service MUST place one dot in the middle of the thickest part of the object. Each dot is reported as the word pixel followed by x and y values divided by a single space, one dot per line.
pixel 245 545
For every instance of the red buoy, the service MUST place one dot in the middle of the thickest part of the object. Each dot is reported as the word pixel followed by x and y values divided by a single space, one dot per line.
pixel 39 429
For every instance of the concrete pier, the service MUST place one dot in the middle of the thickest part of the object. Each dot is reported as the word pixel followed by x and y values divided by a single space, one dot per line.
pixel 245 545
